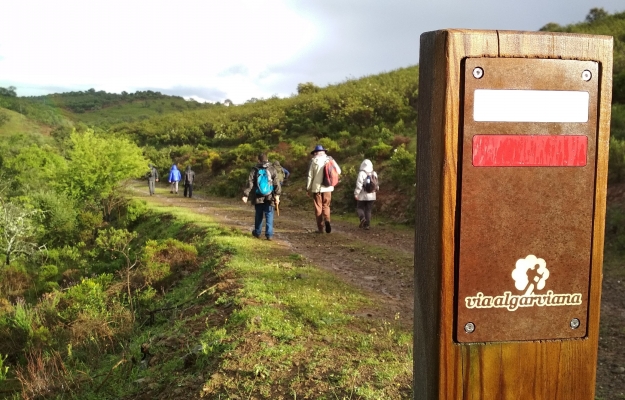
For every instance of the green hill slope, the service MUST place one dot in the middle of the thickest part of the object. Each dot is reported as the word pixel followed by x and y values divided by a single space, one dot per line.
pixel 12 122
pixel 102 109
pixel 373 117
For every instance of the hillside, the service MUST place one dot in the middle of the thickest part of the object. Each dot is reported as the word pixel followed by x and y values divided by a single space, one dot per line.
pixel 108 293
pixel 13 122
pixel 372 117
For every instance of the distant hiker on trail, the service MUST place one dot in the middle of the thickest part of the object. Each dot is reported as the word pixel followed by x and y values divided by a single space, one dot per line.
pixel 174 178
pixel 366 186
pixel 281 171
pixel 189 177
pixel 264 191
pixel 152 178
pixel 323 174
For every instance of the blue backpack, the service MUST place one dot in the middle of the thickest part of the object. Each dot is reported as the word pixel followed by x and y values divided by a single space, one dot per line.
pixel 264 184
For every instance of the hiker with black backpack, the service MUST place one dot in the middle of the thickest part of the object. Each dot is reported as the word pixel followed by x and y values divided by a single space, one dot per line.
pixel 189 177
pixel 323 175
pixel 263 190
pixel 366 186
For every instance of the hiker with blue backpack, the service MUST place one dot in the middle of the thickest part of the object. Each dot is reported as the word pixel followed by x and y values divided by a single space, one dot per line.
pixel 323 175
pixel 263 190
pixel 364 193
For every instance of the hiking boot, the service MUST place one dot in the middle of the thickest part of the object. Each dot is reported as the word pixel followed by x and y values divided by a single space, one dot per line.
pixel 269 238
pixel 328 227
pixel 362 223
pixel 367 227
pixel 255 235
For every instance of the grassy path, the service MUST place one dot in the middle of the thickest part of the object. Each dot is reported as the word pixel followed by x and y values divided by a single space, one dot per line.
pixel 378 261
pixel 302 316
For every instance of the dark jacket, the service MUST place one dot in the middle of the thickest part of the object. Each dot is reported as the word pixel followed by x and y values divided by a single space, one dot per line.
pixel 189 175
pixel 153 173
pixel 250 190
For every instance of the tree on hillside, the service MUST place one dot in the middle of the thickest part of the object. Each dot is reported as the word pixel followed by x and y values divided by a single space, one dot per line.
pixel 98 165
pixel 308 87
pixel 596 14
pixel 10 91
pixel 18 230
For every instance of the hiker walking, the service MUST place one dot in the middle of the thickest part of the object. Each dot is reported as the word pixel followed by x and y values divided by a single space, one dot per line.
pixel 152 178
pixel 174 178
pixel 321 166
pixel 366 186
pixel 189 177
pixel 263 189
pixel 282 172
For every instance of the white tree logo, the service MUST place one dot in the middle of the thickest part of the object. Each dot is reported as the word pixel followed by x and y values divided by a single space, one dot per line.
pixel 520 276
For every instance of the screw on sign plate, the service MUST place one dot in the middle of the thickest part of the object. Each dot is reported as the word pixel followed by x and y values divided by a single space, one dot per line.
pixel 469 327
pixel 586 75
pixel 574 323
pixel 478 73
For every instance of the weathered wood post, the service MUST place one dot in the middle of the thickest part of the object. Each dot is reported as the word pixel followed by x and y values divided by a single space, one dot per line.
pixel 512 158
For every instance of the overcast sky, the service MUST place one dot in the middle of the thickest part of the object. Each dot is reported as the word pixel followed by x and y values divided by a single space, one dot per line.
pixel 214 50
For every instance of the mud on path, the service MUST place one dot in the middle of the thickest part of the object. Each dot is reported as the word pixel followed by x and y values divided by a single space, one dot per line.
pixel 378 261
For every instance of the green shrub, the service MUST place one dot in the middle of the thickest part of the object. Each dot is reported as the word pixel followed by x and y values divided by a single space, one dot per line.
pixel 135 209
pixel 616 164
pixel 402 168
pixel 60 218
pixel 163 258
pixel 3 369
pixel 298 150
pixel 213 161
pixel 615 227
pixel 88 296
pixel 329 144
pixel 617 125
pixel 231 184
pixel 380 151
pixel 47 278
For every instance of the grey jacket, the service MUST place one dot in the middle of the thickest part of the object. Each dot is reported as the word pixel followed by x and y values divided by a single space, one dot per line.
pixel 250 190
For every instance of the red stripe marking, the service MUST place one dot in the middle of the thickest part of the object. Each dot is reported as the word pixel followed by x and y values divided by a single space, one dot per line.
pixel 529 151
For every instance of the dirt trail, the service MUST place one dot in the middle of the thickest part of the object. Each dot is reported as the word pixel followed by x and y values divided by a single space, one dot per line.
pixel 378 261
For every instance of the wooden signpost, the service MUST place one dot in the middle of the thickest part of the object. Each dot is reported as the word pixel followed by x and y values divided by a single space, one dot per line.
pixel 512 157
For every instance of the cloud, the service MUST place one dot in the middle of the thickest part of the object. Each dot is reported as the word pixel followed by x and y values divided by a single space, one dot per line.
pixel 234 70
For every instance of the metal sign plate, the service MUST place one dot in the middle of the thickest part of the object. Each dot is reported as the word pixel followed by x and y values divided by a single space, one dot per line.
pixel 527 183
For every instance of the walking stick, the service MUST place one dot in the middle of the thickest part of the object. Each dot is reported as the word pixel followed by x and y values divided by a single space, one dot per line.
pixel 278 208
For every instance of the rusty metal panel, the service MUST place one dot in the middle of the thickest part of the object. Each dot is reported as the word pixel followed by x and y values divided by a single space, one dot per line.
pixel 526 214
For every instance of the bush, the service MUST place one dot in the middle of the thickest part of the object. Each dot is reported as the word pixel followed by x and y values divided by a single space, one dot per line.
pixel 162 259
pixel 616 164
pixel 402 168
pixel 615 227
pixel 231 184
pixel 380 151
pixel 47 278
pixel 60 217
pixel 329 144
pixel 89 296
pixel 298 151
pixel 213 161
